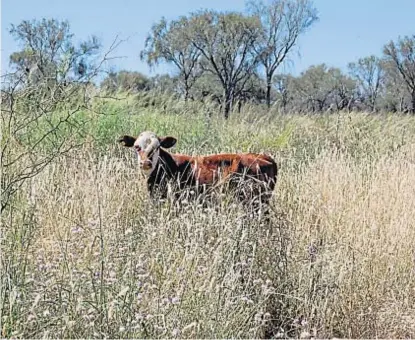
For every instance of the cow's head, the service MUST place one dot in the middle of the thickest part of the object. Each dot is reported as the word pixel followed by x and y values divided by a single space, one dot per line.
pixel 147 146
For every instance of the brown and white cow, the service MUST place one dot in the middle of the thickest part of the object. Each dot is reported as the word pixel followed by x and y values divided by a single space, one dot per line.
pixel 201 172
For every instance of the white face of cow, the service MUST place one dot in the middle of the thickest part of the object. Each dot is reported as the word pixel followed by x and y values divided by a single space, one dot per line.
pixel 147 147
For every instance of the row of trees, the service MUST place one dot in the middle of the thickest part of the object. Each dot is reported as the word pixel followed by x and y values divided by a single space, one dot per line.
pixel 231 57
pixel 236 57
pixel 370 84
pixel 231 49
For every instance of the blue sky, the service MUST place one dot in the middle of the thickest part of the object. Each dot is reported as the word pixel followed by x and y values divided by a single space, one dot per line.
pixel 346 30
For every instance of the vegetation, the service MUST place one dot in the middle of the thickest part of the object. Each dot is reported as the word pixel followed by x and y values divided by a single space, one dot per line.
pixel 125 81
pixel 86 254
pixel 401 56
pixel 49 52
pixel 236 58
pixel 231 57
pixel 282 22
pixel 230 46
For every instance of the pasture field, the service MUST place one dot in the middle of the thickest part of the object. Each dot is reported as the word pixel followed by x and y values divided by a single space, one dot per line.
pixel 86 255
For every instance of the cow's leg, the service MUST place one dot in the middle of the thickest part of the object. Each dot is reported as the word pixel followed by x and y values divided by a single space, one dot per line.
pixel 245 190
pixel 260 199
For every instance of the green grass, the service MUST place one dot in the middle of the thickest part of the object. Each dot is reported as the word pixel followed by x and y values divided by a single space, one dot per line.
pixel 85 254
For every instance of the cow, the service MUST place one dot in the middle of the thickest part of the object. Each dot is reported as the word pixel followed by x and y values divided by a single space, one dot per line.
pixel 199 173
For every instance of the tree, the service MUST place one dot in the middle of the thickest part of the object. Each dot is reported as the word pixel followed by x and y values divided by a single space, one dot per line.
pixel 344 89
pixel 369 74
pixel 164 84
pixel 395 96
pixel 40 121
pixel 208 86
pixel 313 88
pixel 125 81
pixel 320 88
pixel 283 85
pixel 282 22
pixel 169 42
pixel 253 90
pixel 49 53
pixel 226 41
pixel 401 55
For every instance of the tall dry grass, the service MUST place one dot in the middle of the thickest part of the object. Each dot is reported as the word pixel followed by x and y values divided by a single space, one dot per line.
pixel 85 254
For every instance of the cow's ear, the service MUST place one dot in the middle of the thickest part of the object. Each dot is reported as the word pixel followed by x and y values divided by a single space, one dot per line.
pixel 127 141
pixel 167 142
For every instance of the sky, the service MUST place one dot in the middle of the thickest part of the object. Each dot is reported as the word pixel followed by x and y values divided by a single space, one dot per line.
pixel 346 30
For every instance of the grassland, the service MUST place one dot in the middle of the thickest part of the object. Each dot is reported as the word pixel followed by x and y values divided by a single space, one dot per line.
pixel 85 254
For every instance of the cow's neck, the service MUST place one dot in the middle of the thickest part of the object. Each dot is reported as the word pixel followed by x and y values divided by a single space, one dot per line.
pixel 165 170
pixel 166 166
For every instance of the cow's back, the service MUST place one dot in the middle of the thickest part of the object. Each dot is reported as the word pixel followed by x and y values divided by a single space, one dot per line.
pixel 210 169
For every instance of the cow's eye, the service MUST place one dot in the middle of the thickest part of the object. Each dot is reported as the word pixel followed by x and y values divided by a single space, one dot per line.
pixel 137 148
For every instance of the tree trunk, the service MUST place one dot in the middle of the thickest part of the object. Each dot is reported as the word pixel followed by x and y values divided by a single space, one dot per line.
pixel 227 103
pixel 401 104
pixel 372 103
pixel 186 91
pixel 413 101
pixel 239 106
pixel 226 109
pixel 269 84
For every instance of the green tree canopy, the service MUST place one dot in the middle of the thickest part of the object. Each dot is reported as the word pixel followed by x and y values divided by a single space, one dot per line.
pixel 169 42
pixel 48 52
pixel 125 81
pixel 282 22
pixel 401 57
pixel 226 41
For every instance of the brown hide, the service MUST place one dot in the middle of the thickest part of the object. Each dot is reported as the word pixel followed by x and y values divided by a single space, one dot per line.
pixel 204 172
pixel 207 170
